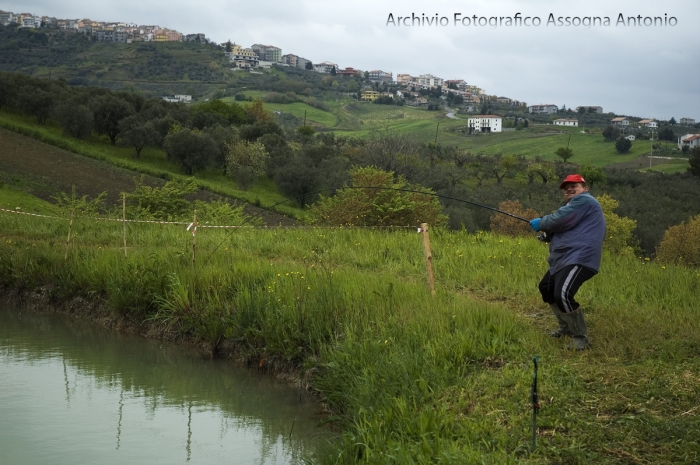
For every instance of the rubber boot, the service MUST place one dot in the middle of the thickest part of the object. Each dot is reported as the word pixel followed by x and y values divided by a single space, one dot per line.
pixel 577 326
pixel 563 329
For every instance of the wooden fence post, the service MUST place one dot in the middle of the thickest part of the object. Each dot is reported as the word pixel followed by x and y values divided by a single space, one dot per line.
pixel 428 257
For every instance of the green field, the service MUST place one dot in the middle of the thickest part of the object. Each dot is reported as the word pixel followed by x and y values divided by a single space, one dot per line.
pixel 362 119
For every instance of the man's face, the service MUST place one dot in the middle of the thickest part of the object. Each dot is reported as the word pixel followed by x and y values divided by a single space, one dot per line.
pixel 572 189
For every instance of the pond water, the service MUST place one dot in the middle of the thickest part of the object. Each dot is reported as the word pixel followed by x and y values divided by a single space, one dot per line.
pixel 73 393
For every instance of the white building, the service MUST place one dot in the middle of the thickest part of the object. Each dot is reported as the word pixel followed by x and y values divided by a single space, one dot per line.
pixel 689 140
pixel 485 123
pixel 325 67
pixel 620 122
pixel 687 121
pixel 430 81
pixel 545 108
pixel 178 98
pixel 648 123
pixel 566 122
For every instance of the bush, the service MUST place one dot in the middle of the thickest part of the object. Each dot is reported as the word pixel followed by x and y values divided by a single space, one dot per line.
pixel 388 203
pixel 509 226
pixel 623 145
pixel 681 244
pixel 618 232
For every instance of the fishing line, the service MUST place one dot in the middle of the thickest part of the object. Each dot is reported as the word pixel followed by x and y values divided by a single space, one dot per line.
pixel 365 187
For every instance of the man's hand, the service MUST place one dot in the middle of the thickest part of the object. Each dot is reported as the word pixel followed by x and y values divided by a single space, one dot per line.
pixel 535 224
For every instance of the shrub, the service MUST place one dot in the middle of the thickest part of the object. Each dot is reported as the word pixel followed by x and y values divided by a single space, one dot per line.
pixel 618 232
pixel 387 203
pixel 681 244
pixel 509 226
pixel 623 145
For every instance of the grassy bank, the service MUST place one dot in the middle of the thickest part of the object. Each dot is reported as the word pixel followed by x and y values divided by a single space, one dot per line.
pixel 410 378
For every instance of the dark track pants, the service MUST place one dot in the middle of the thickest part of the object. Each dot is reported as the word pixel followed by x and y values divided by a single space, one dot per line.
pixel 561 287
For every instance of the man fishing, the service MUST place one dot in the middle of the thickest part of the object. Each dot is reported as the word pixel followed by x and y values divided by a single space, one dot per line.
pixel 577 231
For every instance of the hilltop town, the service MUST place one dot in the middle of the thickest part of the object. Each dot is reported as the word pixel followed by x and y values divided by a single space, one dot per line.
pixel 377 86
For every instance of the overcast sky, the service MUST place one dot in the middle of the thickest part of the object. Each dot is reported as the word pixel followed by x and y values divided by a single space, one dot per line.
pixel 645 71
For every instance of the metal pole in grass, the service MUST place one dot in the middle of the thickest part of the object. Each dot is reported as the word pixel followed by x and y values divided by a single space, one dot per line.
pixel 535 404
pixel 70 225
pixel 124 219
pixel 428 257
pixel 194 237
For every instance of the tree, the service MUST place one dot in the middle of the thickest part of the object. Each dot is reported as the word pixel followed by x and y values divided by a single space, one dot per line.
pixel 194 150
pixel 391 205
pixel 564 153
pixel 109 111
pixel 611 133
pixel 694 161
pixel 333 71
pixel 623 145
pixel 672 121
pixel 137 133
pixel 581 110
pixel 75 119
pixel 233 113
pixel 246 161
pixel 36 102
pixel 667 134
pixel 309 66
pixel 592 174
pixel 228 46
pixel 299 179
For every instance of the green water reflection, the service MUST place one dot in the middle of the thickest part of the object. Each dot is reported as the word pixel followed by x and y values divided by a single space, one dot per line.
pixel 71 393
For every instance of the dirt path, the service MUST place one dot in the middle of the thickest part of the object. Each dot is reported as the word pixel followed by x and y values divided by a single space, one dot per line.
pixel 45 171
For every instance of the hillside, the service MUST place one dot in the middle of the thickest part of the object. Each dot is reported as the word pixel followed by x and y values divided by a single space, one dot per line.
pixel 155 69
pixel 46 171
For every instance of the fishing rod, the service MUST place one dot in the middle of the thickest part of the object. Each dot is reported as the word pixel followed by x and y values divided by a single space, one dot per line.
pixel 270 208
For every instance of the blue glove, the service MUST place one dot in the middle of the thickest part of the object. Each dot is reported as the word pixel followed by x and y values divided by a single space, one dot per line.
pixel 535 224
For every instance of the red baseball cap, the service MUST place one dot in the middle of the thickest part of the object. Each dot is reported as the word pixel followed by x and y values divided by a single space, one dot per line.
pixel 572 178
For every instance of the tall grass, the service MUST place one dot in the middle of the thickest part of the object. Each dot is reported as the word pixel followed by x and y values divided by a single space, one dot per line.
pixel 409 378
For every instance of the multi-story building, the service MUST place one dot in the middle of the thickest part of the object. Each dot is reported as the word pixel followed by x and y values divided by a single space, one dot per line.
pixel 369 95
pixel 459 84
pixel 485 123
pixel 687 121
pixel 243 58
pixel 620 121
pixel 294 60
pixel 268 52
pixel 349 72
pixel 648 123
pixel 403 79
pixel 325 67
pixel 472 89
pixel 429 80
pixel 378 75
pixel 7 17
pixel 545 108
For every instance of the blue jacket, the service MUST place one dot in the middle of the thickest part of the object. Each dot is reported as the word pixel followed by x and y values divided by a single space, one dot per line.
pixel 579 230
